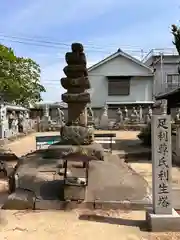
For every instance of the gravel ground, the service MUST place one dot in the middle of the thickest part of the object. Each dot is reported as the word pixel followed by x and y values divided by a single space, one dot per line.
pixel 79 225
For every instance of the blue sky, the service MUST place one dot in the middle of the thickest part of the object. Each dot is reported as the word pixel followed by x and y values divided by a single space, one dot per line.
pixel 102 26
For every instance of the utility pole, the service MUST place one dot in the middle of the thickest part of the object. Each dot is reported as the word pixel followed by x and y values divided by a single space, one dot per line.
pixel 164 102
pixel 142 54
pixel 162 70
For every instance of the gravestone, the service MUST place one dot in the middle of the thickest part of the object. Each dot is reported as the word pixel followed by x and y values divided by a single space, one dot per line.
pixel 3 121
pixel 90 116
pixel 46 118
pixel 61 120
pixel 140 114
pixel 119 114
pixel 104 122
pixel 126 115
pixel 134 116
pixel 162 217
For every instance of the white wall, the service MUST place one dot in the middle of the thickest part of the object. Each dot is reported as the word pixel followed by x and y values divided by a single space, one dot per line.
pixel 160 80
pixel 140 87
pixel 169 66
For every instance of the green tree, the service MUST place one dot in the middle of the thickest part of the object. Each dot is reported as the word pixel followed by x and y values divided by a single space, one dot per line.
pixel 176 34
pixel 19 78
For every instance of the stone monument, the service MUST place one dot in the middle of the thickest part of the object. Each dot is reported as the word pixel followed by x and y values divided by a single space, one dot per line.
pixel 46 116
pixel 140 114
pixel 76 83
pixel 20 122
pixel 61 117
pixel 119 115
pixel 126 114
pixel 75 134
pixel 14 123
pixel 134 115
pixel 90 116
pixel 149 115
pixel 3 122
pixel 150 111
pixel 104 122
pixel 162 217
pixel 45 119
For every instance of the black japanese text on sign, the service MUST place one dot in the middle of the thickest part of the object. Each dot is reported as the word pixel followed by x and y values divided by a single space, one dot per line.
pixel 162 134
pixel 163 175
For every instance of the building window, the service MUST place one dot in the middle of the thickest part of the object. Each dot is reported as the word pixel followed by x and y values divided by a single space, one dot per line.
pixel 118 86
pixel 173 80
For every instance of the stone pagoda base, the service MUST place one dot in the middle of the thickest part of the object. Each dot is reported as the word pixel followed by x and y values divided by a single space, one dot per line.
pixel 76 135
pixel 94 151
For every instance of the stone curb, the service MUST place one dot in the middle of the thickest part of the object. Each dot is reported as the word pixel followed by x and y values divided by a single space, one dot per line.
pixel 122 205
pixel 61 205
pixel 104 205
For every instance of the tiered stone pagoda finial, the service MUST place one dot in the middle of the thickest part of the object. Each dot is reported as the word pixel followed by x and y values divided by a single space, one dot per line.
pixel 76 83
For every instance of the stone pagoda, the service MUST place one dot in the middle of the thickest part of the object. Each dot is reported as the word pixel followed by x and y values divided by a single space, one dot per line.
pixel 76 83
pixel 75 134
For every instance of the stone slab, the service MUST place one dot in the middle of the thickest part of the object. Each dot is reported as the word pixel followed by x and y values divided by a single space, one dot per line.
pixel 42 204
pixel 114 180
pixel 163 222
pixel 123 205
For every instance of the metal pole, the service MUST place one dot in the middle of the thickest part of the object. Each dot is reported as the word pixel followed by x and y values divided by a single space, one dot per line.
pixel 142 54
pixel 162 77
pixel 163 84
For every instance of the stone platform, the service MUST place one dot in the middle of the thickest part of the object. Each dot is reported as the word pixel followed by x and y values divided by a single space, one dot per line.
pixel 163 222
pixel 110 182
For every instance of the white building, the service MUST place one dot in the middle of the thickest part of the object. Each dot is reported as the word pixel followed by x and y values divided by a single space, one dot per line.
pixel 121 79
pixel 165 63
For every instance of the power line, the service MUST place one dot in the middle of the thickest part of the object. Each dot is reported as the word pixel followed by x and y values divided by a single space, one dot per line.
pixel 47 46
pixel 41 41
pixel 51 44
pixel 57 42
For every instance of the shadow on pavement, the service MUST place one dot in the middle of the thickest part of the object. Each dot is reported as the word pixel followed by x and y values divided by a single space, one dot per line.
pixel 141 224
